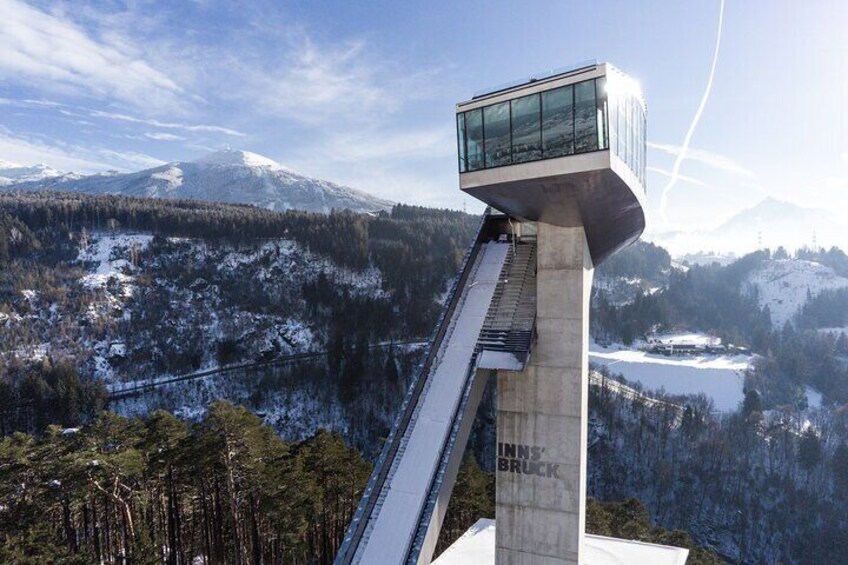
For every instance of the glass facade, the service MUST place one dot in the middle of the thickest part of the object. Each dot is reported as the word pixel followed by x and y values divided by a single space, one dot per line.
pixel 627 124
pixel 587 116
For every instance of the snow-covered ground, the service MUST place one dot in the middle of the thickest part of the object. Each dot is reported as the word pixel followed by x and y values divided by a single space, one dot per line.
pixel 684 338
pixel 784 285
pixel 110 255
pixel 720 377
pixel 814 398
pixel 477 547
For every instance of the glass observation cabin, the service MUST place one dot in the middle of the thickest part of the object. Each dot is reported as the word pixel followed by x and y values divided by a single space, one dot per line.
pixel 567 149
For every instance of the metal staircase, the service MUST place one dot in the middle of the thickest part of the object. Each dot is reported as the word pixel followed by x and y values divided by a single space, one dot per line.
pixel 512 314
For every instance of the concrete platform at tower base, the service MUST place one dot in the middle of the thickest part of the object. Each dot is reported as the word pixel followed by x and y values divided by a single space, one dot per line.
pixel 477 547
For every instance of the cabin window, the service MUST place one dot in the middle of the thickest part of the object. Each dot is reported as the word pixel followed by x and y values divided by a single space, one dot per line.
pixel 460 137
pixel 601 115
pixel 558 122
pixel 585 117
pixel 576 118
pixel 474 139
pixel 497 135
pixel 526 129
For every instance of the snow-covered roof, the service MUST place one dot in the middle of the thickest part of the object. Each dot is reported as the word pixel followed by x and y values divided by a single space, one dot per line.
pixel 477 547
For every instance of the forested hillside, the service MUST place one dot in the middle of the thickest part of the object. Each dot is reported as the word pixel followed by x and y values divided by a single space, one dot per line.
pixel 113 289
pixel 101 294
pixel 720 301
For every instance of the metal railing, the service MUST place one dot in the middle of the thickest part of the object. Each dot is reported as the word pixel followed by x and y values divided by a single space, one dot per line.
pixel 358 525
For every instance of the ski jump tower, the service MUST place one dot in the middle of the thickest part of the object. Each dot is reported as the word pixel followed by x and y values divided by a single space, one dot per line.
pixel 565 155
pixel 560 160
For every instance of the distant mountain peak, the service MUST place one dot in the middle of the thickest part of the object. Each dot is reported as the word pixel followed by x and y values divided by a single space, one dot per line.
pixel 11 173
pixel 237 157
pixel 229 175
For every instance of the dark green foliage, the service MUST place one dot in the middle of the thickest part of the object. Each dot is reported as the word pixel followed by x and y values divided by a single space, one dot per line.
pixel 839 469
pixel 16 239
pixel 473 498
pixel 179 292
pixel 50 392
pixel 753 402
pixel 342 235
pixel 809 450
pixel 834 258
pixel 708 298
pixel 629 520
pixel 828 309
pixel 156 491
pixel 642 259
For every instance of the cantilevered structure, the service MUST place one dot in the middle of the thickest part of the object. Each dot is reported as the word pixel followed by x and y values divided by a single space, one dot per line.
pixel 560 159
pixel 566 149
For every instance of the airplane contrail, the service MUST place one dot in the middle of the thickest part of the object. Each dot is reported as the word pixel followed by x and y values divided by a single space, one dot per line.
pixel 675 171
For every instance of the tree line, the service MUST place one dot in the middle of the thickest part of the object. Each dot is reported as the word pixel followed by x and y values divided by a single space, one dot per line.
pixel 225 490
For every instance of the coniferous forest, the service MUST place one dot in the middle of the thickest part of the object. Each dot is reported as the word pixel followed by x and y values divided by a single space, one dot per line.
pixel 216 285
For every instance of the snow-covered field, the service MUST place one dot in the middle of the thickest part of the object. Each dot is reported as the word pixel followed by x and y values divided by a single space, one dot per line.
pixel 720 377
pixel 785 284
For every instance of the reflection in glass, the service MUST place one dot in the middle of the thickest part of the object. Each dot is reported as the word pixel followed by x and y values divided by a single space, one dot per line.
pixel 460 136
pixel 571 119
pixel 601 99
pixel 585 120
pixel 496 130
pixel 558 122
pixel 526 129
pixel 474 138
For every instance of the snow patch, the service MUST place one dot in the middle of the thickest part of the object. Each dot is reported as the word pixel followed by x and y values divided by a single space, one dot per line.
pixel 784 285
pixel 110 255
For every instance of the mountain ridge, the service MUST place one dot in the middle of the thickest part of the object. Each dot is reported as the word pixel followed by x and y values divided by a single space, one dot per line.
pixel 228 175
pixel 771 223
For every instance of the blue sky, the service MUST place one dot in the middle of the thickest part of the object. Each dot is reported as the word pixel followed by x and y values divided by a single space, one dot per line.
pixel 363 93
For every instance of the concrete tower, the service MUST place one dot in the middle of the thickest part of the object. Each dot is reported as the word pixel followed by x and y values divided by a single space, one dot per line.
pixel 564 157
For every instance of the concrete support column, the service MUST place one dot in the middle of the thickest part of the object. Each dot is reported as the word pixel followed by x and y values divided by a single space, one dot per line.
pixel 543 413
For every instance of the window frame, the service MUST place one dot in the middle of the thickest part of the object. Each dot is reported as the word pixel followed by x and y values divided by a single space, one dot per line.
pixel 606 133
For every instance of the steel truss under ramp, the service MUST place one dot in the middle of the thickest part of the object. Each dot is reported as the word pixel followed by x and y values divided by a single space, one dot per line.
pixel 487 325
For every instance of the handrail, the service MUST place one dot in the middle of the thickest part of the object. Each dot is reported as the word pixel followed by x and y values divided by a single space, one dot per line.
pixel 347 551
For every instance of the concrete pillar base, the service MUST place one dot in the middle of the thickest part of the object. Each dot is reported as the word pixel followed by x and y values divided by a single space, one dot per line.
pixel 543 413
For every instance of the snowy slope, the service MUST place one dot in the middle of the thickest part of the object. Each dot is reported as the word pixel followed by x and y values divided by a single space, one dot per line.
pixel 785 284
pixel 720 377
pixel 224 176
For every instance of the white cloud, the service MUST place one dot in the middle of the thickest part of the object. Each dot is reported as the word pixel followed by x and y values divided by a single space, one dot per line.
pixel 54 53
pixel 158 136
pixel 68 157
pixel 379 144
pixel 684 178
pixel 167 125
pixel 130 160
pixel 713 160
pixel 318 82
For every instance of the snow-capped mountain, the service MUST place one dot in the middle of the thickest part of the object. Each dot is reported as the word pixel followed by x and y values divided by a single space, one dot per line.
pixel 11 173
pixel 769 224
pixel 228 175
